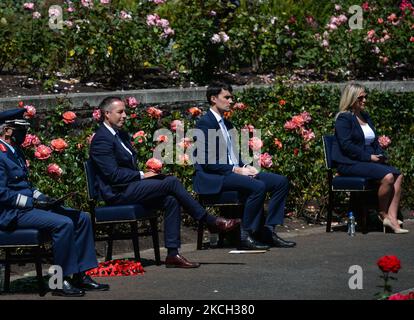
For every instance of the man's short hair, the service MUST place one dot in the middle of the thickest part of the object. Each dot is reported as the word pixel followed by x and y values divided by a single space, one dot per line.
pixel 106 103
pixel 215 88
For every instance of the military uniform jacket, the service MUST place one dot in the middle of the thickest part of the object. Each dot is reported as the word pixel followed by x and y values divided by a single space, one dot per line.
pixel 16 192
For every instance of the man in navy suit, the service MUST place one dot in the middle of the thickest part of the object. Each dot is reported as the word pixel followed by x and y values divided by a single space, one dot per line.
pixel 119 182
pixel 22 206
pixel 227 173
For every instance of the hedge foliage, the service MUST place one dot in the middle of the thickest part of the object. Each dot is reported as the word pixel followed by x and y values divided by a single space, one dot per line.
pixel 266 109
pixel 117 40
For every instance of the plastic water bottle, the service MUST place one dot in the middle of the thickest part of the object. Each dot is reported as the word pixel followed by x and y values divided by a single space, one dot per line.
pixel 351 224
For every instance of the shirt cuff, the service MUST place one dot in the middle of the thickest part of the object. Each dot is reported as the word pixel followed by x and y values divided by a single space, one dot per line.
pixel 142 175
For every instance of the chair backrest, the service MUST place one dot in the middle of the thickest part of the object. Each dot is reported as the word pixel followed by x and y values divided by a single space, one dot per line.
pixel 328 141
pixel 90 179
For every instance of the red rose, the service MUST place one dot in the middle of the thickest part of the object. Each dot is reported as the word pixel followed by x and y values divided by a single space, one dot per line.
pixel 69 117
pixel 154 165
pixel 296 152
pixel 282 102
pixel 42 152
pixel 59 145
pixel 54 170
pixel 389 264
pixel 239 106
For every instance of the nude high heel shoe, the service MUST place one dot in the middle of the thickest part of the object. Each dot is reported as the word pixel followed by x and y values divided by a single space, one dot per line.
pixel 387 223
pixel 382 220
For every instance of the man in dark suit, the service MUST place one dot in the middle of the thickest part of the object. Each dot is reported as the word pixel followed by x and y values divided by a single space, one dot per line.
pixel 218 173
pixel 22 206
pixel 115 161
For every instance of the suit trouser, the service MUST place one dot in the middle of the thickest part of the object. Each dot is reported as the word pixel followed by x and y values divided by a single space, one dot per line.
pixel 169 194
pixel 72 236
pixel 255 189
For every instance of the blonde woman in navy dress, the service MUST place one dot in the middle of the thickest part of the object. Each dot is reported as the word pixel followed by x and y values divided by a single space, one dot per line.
pixel 358 153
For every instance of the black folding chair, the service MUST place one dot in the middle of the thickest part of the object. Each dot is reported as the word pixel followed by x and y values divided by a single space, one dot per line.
pixel 360 188
pixel 120 214
pixel 29 242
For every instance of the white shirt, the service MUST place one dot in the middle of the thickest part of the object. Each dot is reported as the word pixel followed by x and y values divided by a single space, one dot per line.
pixel 111 130
pixel 225 133
pixel 368 133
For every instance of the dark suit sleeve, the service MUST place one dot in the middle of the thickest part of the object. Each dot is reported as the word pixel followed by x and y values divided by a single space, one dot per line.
pixel 343 129
pixel 223 169
pixel 102 154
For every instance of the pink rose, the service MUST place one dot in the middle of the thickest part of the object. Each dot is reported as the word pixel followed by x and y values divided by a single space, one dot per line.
pixel 54 170
pixel 131 102
pixel 154 112
pixel 139 136
pixel 176 125
pixel 28 5
pixel 384 141
pixel 290 125
pixel 255 143
pixel 162 138
pixel 307 135
pixel 43 152
pixel 183 159
pixel 154 165
pixel 239 106
pixel 30 140
pixel 30 112
pixel 249 127
pixel 96 114
pixel 87 3
pixel 265 160
pixel 278 143
pixel 185 143
pixel 59 145
pixel 69 117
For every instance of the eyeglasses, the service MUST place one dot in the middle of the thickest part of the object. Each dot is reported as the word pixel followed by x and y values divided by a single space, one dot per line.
pixel 360 98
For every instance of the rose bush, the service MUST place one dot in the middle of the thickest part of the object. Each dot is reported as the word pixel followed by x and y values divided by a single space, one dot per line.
pixel 293 153
pixel 120 40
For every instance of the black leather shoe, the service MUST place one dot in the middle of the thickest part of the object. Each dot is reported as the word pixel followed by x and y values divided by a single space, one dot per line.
pixel 281 243
pixel 251 244
pixel 86 283
pixel 223 225
pixel 68 290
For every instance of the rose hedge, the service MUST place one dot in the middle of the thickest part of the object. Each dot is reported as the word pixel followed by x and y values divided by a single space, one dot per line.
pixel 117 40
pixel 292 121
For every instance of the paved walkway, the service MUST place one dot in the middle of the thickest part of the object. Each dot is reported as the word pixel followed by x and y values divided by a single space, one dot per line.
pixel 316 269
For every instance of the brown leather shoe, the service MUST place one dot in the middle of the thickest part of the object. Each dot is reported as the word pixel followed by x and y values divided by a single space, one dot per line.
pixel 223 225
pixel 179 261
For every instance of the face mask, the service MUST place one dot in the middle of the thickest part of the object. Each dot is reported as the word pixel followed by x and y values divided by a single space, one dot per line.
pixel 18 136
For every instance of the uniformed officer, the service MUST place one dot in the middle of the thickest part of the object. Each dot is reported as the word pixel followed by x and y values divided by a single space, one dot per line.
pixel 23 206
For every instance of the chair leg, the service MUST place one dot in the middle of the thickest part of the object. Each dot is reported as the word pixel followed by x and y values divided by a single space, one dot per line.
pixel 155 240
pixel 7 272
pixel 110 243
pixel 39 275
pixel 330 207
pixel 200 232
pixel 135 242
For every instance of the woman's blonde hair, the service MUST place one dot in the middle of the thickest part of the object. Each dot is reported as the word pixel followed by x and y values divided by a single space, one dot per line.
pixel 349 96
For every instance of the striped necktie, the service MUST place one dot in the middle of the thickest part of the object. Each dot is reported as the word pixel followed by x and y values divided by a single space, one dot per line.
pixel 231 155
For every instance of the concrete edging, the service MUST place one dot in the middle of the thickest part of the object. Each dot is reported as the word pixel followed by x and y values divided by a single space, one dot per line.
pixel 172 95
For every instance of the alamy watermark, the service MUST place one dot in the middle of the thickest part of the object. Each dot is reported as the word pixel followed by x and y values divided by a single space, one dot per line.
pixel 356 280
